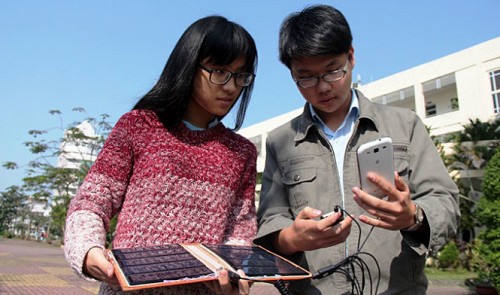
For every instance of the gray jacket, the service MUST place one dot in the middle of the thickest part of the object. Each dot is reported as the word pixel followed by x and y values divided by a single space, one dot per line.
pixel 300 171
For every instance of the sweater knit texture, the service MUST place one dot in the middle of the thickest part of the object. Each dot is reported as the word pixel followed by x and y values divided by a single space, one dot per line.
pixel 170 185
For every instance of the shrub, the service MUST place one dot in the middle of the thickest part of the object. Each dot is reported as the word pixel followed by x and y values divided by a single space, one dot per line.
pixel 8 234
pixel 449 255
pixel 487 247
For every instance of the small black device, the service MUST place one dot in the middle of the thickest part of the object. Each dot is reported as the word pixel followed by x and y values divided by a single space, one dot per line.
pixel 335 210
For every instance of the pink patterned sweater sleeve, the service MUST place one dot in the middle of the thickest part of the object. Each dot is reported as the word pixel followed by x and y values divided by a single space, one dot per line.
pixel 99 198
pixel 168 186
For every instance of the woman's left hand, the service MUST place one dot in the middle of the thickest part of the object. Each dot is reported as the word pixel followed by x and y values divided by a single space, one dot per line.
pixel 227 287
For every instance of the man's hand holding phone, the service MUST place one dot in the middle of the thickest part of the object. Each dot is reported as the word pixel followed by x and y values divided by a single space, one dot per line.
pixel 375 156
pixel 382 193
pixel 394 212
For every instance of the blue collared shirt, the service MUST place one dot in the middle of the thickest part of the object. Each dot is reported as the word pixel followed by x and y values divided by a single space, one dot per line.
pixel 338 139
pixel 196 128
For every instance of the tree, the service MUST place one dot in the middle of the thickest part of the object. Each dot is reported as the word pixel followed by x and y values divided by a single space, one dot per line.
pixel 46 181
pixel 12 202
pixel 473 149
pixel 477 130
pixel 469 151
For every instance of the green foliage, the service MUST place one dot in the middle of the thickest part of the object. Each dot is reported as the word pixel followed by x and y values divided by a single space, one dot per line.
pixel 10 165
pixel 487 248
pixel 111 231
pixel 473 148
pixel 477 130
pixel 467 218
pixel 469 150
pixel 488 212
pixel 44 180
pixel 7 234
pixel 486 262
pixel 12 201
pixel 259 178
pixel 491 181
pixel 448 257
pixel 58 218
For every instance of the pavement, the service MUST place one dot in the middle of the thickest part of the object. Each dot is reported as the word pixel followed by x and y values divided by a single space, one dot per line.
pixel 28 267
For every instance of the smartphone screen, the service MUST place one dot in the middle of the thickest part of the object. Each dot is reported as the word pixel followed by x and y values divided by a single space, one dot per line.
pixel 376 156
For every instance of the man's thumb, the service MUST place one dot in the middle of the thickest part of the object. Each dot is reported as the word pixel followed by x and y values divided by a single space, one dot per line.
pixel 309 213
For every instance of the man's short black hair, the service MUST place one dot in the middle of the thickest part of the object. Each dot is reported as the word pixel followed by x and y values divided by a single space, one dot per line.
pixel 316 30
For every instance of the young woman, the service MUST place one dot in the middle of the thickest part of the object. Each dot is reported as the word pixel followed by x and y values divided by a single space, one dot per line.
pixel 170 169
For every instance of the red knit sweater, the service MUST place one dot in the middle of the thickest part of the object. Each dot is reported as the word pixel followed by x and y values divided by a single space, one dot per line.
pixel 167 185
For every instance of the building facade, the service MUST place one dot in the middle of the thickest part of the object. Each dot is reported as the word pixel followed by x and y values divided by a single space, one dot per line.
pixel 74 152
pixel 445 93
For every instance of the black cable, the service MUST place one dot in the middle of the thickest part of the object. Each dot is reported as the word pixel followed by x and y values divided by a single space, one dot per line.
pixel 280 285
pixel 353 262
pixel 357 223
pixel 362 264
pixel 378 268
pixel 355 279
pixel 366 239
pixel 350 262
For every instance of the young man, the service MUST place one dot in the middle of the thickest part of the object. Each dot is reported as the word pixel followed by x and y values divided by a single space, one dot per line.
pixel 311 167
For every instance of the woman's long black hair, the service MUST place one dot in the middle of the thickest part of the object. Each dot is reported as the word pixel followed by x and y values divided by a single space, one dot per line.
pixel 213 37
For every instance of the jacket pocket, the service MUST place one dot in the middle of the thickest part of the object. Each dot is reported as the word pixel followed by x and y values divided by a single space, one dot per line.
pixel 301 187
pixel 298 176
pixel 401 159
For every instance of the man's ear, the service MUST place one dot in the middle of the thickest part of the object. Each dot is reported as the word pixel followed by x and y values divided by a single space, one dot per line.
pixel 350 56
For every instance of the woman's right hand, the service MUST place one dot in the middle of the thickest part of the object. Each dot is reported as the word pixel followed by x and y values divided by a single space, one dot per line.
pixel 98 266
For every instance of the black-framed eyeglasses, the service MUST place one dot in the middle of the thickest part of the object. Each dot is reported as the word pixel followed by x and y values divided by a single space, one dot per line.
pixel 328 77
pixel 221 77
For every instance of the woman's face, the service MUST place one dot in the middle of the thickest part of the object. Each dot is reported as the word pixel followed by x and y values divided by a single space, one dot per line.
pixel 211 100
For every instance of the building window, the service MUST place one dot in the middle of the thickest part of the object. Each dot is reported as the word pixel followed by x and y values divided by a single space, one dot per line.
pixel 430 109
pixel 440 95
pixel 404 98
pixel 454 104
pixel 495 90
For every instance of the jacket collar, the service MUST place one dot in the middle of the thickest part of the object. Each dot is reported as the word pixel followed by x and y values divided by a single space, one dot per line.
pixel 306 124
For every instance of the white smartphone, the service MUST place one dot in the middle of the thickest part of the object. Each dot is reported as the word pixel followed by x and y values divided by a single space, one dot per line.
pixel 376 156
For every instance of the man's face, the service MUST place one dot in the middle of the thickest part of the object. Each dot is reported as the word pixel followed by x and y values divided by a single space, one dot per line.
pixel 331 100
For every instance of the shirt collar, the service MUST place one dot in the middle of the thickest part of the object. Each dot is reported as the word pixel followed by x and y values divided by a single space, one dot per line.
pixel 196 128
pixel 352 115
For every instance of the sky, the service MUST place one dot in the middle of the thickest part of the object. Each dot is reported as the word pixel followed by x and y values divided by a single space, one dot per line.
pixel 103 55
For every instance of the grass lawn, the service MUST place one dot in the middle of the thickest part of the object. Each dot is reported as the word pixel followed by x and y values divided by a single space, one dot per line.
pixel 449 276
